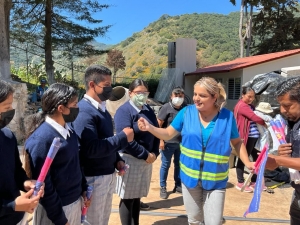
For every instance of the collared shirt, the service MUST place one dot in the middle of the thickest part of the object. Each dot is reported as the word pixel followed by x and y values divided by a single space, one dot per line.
pixel 136 108
pixel 63 131
pixel 96 104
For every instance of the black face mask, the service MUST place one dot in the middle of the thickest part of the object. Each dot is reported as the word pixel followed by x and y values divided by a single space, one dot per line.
pixel 105 94
pixel 72 115
pixel 6 117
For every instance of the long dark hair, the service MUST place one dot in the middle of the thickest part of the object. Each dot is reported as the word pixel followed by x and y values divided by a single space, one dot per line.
pixel 137 82
pixel 57 94
pixel 245 90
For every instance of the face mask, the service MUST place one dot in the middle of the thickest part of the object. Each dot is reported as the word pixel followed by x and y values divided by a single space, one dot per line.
pixel 105 94
pixel 177 101
pixel 6 117
pixel 72 115
pixel 139 99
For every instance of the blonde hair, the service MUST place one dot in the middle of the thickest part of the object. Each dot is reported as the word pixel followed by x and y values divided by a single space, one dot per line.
pixel 216 89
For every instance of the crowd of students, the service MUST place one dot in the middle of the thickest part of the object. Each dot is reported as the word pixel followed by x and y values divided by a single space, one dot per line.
pixel 198 135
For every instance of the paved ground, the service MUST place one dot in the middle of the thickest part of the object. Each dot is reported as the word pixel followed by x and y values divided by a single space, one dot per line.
pixel 273 208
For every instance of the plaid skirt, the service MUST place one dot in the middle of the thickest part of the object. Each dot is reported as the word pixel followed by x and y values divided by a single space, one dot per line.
pixel 136 181
pixel 72 212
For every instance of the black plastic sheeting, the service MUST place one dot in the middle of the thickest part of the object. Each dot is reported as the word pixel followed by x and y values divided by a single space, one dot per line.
pixel 264 86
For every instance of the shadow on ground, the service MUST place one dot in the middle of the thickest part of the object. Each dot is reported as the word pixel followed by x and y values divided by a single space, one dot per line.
pixel 166 203
pixel 174 221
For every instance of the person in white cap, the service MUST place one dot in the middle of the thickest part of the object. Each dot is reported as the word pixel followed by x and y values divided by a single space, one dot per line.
pixel 262 109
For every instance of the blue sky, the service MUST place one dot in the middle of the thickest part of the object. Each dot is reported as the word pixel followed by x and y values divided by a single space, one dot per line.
pixel 131 16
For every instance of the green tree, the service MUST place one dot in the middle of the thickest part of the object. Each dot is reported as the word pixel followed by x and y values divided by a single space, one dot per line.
pixel 5 6
pixel 115 60
pixel 55 25
pixel 275 26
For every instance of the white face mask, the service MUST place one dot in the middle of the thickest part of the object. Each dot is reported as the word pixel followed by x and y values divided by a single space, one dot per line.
pixel 177 101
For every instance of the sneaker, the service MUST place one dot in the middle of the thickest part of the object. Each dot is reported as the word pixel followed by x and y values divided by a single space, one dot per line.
pixel 177 189
pixel 163 193
pixel 247 188
pixel 144 206
pixel 252 186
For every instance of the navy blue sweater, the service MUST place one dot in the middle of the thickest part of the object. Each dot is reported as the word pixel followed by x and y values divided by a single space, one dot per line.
pixel 64 182
pixel 144 142
pixel 12 175
pixel 98 145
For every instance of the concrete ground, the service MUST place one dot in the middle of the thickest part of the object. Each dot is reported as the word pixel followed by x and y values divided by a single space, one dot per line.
pixel 274 208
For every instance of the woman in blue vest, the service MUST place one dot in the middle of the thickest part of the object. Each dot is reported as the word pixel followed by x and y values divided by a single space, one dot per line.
pixel 207 130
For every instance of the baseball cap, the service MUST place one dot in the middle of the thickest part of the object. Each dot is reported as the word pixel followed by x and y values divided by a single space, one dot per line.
pixel 178 90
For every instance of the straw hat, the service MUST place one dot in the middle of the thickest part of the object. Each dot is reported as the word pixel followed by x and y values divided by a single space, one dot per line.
pixel 264 107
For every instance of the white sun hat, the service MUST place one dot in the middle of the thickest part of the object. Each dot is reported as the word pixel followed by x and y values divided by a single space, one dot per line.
pixel 264 107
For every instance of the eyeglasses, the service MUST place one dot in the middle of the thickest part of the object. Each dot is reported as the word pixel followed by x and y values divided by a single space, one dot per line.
pixel 141 92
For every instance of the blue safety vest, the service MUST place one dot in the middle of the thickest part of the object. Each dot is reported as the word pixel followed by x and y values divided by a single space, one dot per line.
pixel 208 164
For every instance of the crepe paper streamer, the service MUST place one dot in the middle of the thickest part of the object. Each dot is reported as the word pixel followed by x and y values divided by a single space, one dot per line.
pixel 278 133
pixel 49 159
pixel 84 209
pixel 259 170
pixel 280 128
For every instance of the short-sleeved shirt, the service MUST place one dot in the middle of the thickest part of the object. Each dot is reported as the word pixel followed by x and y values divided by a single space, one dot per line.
pixel 178 121
pixel 167 114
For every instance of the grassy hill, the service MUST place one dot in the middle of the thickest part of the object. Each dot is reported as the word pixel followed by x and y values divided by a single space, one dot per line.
pixel 146 51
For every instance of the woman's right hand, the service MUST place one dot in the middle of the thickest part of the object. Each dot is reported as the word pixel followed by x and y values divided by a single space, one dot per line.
pixel 285 150
pixel 143 124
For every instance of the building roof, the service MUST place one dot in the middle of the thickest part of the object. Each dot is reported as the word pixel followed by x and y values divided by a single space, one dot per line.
pixel 241 63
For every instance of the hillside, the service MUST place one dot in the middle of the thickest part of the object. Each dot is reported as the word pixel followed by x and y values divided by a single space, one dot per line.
pixel 146 51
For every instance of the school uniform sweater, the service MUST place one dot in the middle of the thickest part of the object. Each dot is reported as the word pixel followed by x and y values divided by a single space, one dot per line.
pixel 12 175
pixel 98 144
pixel 144 142
pixel 64 182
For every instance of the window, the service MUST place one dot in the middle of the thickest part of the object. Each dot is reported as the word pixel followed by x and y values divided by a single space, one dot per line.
pixel 234 88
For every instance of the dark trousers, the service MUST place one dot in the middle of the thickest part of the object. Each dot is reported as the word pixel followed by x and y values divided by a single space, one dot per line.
pixel 166 157
pixel 295 210
pixel 129 210
pixel 240 167
pixel 11 219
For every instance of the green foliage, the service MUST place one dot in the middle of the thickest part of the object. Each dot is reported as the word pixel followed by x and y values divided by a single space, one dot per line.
pixel 139 69
pixel 276 27
pixel 141 53
pixel 144 63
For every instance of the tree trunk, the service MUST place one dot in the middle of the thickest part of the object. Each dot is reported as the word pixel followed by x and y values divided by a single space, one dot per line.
pixel 241 29
pixel 249 33
pixel 48 43
pixel 5 6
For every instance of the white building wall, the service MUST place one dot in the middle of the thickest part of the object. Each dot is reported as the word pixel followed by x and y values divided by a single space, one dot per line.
pixel 185 58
